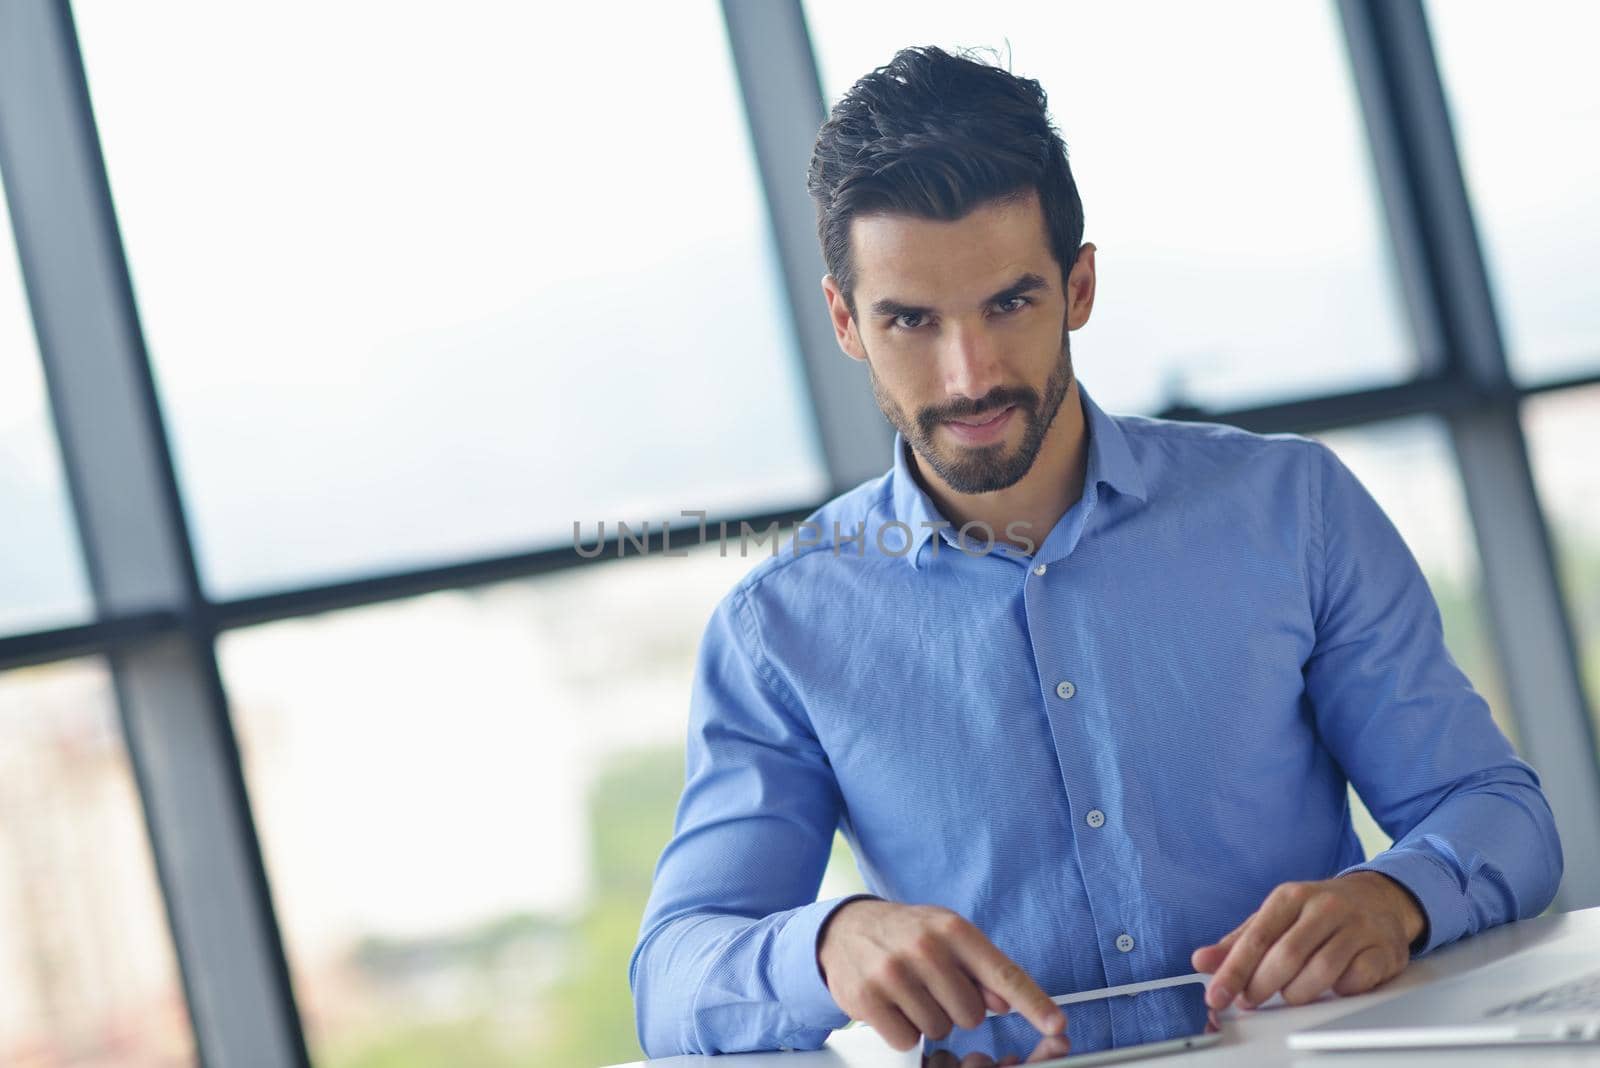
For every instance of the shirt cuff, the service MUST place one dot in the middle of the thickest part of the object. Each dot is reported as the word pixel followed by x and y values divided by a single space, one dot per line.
pixel 1444 906
pixel 797 978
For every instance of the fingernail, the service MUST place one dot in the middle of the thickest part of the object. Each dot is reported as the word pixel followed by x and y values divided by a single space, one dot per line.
pixel 1219 996
pixel 1241 1002
pixel 1056 1021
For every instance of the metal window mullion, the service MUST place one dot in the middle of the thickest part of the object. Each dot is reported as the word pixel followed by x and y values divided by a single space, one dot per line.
pixel 1531 627
pixel 784 107
pixel 1447 286
pixel 136 548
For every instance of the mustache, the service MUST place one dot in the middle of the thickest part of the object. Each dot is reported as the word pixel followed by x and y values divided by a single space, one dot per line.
pixel 1024 398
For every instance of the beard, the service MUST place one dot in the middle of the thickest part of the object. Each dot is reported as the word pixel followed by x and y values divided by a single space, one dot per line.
pixel 984 468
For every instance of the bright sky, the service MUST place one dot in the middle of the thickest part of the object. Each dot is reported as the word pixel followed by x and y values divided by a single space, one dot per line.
pixel 432 282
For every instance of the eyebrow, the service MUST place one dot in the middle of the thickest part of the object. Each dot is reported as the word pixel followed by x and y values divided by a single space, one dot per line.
pixel 888 307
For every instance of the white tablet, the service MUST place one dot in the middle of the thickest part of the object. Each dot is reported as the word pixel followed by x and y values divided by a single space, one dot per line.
pixel 1103 1026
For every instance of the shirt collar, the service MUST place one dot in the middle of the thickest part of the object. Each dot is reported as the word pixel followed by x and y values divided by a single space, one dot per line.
pixel 1110 462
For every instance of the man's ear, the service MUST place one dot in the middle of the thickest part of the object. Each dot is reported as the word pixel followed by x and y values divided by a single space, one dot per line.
pixel 844 324
pixel 1080 287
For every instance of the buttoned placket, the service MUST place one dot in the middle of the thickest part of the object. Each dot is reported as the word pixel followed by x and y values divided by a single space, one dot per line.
pixel 1064 699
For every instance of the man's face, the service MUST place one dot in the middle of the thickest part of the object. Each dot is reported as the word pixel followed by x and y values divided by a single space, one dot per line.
pixel 963 326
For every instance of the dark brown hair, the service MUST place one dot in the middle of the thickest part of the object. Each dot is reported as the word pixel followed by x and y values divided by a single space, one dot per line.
pixel 934 135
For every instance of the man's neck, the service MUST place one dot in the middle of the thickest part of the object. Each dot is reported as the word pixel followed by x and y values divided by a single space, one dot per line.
pixel 1040 498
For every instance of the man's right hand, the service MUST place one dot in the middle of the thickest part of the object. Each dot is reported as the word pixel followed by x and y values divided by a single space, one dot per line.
pixel 914 970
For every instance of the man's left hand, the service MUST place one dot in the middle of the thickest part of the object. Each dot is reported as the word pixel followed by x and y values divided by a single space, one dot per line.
pixel 1348 934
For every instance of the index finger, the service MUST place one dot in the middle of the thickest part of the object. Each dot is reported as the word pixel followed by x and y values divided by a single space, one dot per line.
pixel 1007 978
pixel 1276 915
pixel 1049 1048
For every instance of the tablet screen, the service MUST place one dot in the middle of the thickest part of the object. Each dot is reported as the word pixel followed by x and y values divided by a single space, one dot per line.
pixel 1098 1032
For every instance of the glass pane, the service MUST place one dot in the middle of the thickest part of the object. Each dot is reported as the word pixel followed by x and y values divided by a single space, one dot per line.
pixel 1525 102
pixel 1409 468
pixel 41 574
pixel 1563 432
pixel 1226 186
pixel 453 284
pixel 462 798
pixel 85 956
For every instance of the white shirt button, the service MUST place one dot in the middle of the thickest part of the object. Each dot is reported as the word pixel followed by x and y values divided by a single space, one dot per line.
pixel 1095 818
pixel 1065 690
pixel 1125 942
pixel 1039 569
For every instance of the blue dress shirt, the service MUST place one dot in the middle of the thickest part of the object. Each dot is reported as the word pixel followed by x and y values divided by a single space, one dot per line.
pixel 1105 753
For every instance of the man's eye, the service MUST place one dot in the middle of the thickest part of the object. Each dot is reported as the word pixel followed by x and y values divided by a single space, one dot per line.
pixel 1012 304
pixel 900 320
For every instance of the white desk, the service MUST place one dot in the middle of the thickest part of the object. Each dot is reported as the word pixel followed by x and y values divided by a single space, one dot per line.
pixel 1252 1039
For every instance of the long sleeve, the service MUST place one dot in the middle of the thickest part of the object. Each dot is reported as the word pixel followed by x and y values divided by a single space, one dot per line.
pixel 1474 838
pixel 726 957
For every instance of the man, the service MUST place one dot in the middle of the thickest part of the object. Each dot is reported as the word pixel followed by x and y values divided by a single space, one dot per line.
pixel 1083 693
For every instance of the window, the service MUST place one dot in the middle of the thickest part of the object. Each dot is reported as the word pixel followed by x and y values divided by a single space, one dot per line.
pixel 85 957
pixel 1226 187
pixel 1526 111
pixel 461 799
pixel 420 284
pixel 41 575
pixel 1562 444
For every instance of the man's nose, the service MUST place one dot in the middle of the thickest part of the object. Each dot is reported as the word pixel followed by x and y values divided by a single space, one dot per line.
pixel 970 363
